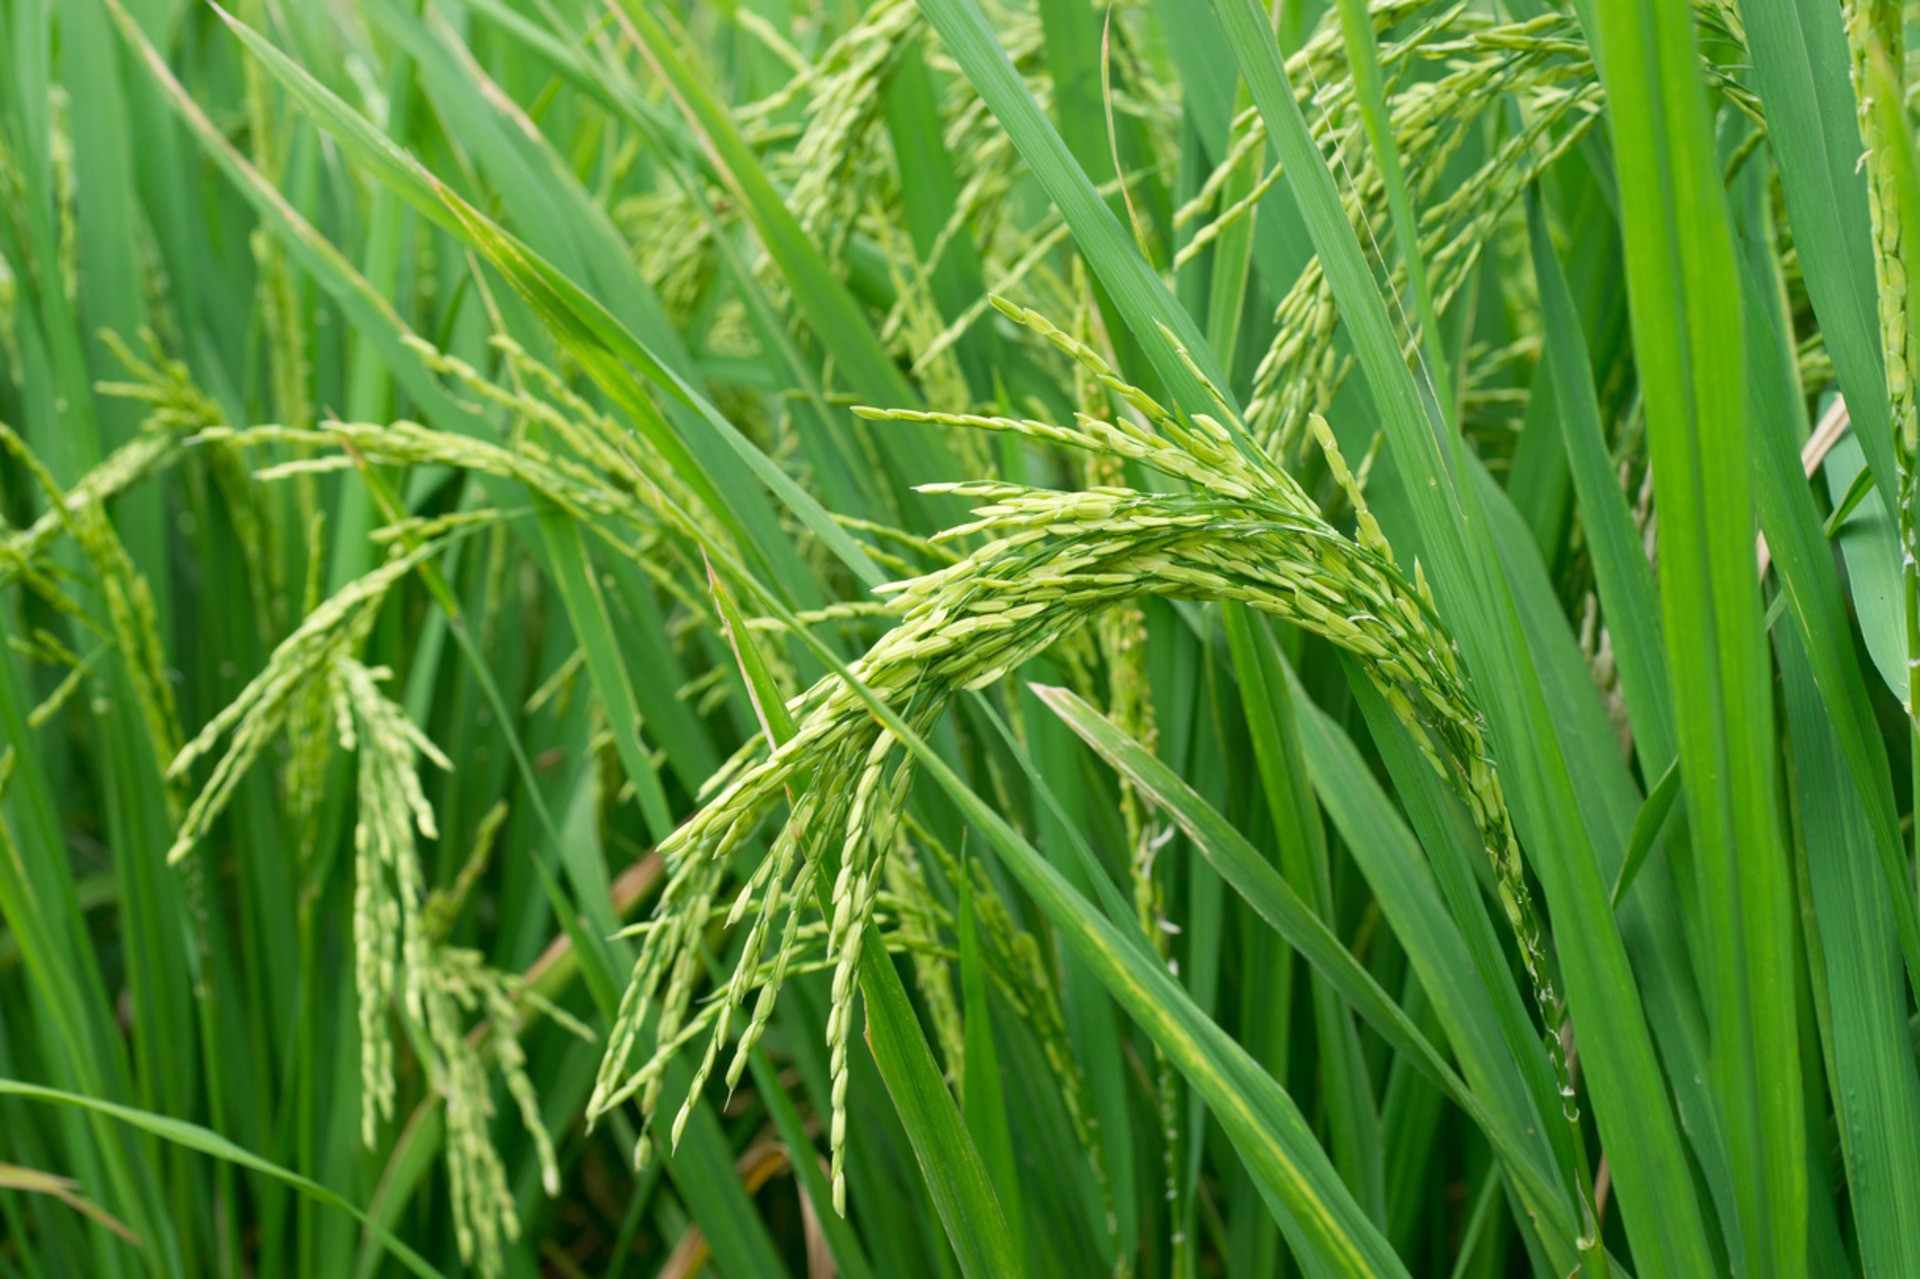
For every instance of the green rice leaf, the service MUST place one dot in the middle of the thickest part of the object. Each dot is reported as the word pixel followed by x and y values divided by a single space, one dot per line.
pixel 1681 273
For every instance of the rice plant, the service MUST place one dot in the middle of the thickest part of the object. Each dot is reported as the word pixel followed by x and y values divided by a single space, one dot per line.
pixel 986 638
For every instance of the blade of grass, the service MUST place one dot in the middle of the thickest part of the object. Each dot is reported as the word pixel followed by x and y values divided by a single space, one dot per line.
pixel 1876 1093
pixel 1095 1029
pixel 1803 562
pixel 1870 545
pixel 1624 577
pixel 208 1142
pixel 1801 72
pixel 1268 704
pixel 1369 90
pixel 586 608
pixel 1680 274
pixel 983 1103
pixel 1648 827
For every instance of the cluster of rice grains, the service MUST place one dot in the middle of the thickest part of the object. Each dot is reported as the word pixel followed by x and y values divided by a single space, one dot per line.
pixel 402 960
pixel 1541 63
pixel 463 1016
pixel 315 691
pixel 1050 561
pixel 1509 98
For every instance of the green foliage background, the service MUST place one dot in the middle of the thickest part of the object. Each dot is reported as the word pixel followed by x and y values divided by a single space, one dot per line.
pixel 958 638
